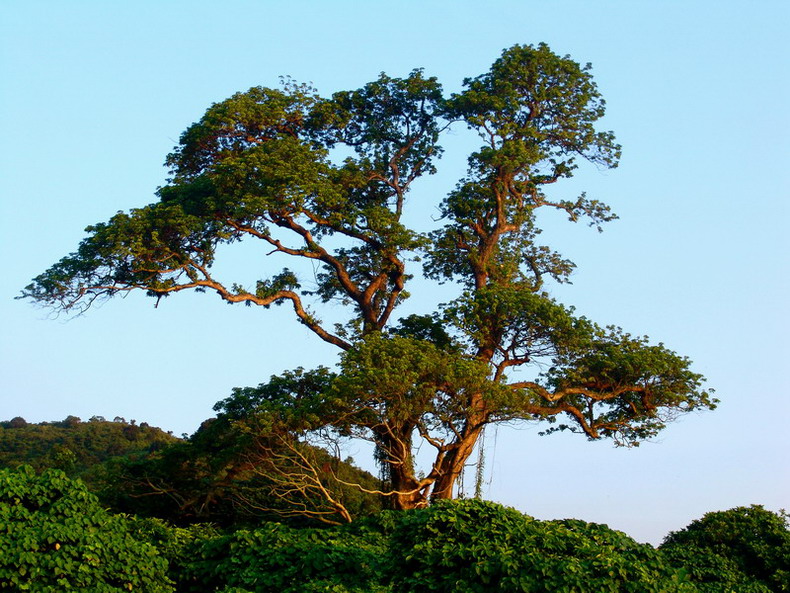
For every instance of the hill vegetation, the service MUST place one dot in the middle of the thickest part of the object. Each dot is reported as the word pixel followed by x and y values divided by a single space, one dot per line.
pixel 75 446
pixel 219 474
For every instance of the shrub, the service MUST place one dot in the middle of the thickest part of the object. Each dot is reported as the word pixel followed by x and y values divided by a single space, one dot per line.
pixel 174 544
pixel 56 537
pixel 475 546
pixel 745 549
pixel 276 558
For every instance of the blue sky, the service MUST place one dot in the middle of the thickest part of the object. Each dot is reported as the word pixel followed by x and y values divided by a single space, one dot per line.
pixel 95 94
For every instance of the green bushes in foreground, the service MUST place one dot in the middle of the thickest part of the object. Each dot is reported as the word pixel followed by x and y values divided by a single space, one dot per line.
pixel 54 536
pixel 746 550
pixel 276 558
pixel 451 547
pixel 475 546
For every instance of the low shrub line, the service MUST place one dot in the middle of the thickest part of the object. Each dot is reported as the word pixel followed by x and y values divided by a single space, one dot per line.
pixel 55 536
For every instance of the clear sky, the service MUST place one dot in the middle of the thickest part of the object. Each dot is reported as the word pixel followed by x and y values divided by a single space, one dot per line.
pixel 94 94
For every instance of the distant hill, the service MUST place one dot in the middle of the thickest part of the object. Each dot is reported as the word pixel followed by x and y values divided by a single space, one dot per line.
pixel 76 446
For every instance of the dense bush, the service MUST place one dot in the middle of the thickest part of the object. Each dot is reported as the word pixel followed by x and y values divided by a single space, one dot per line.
pixel 471 545
pixel 56 537
pixel 745 549
pixel 276 558
pixel 175 544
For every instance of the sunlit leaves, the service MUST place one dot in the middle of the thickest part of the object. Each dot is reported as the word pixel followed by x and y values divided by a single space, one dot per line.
pixel 399 379
pixel 57 537
pixel 536 108
pixel 294 399
pixel 626 388
pixel 245 120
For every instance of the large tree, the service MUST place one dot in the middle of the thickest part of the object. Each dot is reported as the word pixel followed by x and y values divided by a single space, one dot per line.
pixel 325 181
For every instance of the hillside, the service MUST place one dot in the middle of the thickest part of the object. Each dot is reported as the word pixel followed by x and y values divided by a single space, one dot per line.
pixel 218 474
pixel 76 446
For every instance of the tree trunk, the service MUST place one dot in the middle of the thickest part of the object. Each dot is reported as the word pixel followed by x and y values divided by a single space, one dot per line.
pixel 453 464
pixel 409 495
pixel 396 454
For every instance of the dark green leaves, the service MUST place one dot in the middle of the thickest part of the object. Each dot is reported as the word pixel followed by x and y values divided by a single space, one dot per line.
pixel 475 546
pixel 745 549
pixel 275 558
pixel 393 125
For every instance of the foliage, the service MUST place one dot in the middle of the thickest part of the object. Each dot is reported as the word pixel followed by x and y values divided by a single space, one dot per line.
pixel 471 545
pixel 96 451
pixel 745 549
pixel 75 446
pixel 56 537
pixel 321 183
pixel 174 544
pixel 188 481
pixel 221 474
pixel 215 475
pixel 275 558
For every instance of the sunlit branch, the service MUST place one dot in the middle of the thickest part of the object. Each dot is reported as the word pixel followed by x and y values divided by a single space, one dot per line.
pixel 594 395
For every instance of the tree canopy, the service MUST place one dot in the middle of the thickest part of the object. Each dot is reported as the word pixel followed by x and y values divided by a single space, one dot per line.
pixel 325 181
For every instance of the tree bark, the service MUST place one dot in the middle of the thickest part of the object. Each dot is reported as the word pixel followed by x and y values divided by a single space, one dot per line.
pixel 453 463
pixel 396 450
